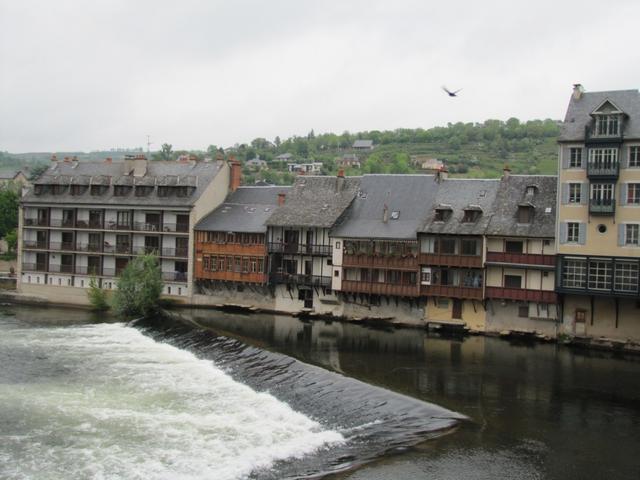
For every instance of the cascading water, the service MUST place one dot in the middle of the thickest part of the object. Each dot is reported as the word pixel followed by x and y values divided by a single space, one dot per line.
pixel 167 400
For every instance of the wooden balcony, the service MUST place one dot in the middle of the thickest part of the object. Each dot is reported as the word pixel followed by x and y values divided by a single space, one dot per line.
pixel 211 248
pixel 468 261
pixel 522 294
pixel 243 277
pixel 451 291
pixel 299 249
pixel 381 261
pixel 522 258
pixel 380 288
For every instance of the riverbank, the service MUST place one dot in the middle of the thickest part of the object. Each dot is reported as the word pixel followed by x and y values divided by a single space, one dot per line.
pixel 449 328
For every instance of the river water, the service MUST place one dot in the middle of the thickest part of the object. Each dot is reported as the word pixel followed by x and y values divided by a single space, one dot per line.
pixel 215 395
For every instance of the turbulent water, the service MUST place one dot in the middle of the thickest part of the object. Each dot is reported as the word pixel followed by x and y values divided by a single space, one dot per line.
pixel 170 401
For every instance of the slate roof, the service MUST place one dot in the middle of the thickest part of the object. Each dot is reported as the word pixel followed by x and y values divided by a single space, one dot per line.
pixel 411 196
pixel 513 192
pixel 363 144
pixel 197 175
pixel 578 113
pixel 459 194
pixel 245 210
pixel 10 174
pixel 316 201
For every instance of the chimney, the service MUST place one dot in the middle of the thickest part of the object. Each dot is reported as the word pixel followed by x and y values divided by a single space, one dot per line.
pixel 442 174
pixel 385 213
pixel 235 178
pixel 108 161
pixel 67 159
pixel 340 180
pixel 139 166
pixel 578 90
pixel 54 158
pixel 506 171
pixel 281 197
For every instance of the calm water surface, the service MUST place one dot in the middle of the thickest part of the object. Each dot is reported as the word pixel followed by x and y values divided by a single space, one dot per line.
pixel 219 395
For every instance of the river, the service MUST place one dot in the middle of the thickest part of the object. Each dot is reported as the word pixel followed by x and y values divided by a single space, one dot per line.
pixel 214 395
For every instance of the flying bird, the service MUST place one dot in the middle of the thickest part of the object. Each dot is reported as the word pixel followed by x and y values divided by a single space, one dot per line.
pixel 450 93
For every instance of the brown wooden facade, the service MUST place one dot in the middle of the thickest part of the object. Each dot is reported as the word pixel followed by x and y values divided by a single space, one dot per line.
pixel 231 257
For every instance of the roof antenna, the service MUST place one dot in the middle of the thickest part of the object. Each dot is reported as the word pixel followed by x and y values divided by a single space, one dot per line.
pixel 149 143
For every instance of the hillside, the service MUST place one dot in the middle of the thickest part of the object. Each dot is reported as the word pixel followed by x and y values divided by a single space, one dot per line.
pixel 478 150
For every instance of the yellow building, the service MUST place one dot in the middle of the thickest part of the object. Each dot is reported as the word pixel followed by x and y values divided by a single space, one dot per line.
pixel 597 233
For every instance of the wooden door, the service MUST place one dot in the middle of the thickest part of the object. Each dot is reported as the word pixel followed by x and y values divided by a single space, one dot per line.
pixel 457 309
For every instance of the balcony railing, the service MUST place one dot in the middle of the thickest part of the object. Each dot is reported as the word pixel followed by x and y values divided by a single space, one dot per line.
pixel 300 279
pixel 451 291
pixel 174 276
pixel 299 248
pixel 36 222
pixel 181 252
pixel 380 261
pixel 380 288
pixel 590 137
pixel 603 169
pixel 599 206
pixel 227 276
pixel 522 294
pixel 61 268
pixel 35 245
pixel 471 261
pixel 35 267
pixel 521 258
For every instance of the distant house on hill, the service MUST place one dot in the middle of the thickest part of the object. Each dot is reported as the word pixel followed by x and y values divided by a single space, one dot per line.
pixel 305 168
pixel 363 145
pixel 15 176
pixel 427 163
pixel 284 157
pixel 349 160
pixel 256 163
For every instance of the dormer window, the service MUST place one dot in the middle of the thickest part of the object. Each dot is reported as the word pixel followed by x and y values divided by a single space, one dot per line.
pixel 97 190
pixel 442 214
pixel 78 189
pixel 143 191
pixel 164 191
pixel 525 213
pixel 607 125
pixel 471 214
pixel 121 190
pixel 531 190
pixel 40 189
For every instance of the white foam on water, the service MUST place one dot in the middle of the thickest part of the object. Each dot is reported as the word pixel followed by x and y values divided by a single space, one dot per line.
pixel 121 405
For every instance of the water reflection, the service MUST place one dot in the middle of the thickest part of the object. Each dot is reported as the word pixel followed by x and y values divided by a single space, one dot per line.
pixel 559 411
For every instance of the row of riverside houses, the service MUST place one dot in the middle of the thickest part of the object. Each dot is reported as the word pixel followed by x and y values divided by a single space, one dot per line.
pixel 528 253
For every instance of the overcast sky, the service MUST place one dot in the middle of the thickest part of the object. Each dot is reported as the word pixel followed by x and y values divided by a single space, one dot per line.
pixel 87 75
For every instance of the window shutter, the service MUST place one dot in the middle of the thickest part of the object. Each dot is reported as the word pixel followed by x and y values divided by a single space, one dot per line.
pixel 564 196
pixel 566 154
pixel 626 151
pixel 624 187
pixel 622 227
pixel 563 232
pixel 582 233
pixel 583 160
pixel 584 194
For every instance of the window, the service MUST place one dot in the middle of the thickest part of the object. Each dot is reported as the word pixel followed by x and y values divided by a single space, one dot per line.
pixel 525 214
pixel 573 232
pixel 336 273
pixel 523 311
pixel 471 216
pixel 443 303
pixel 447 246
pixel 575 190
pixel 575 158
pixel 574 273
pixel 123 219
pixel 603 158
pixel 469 247
pixel 633 193
pixel 512 246
pixel 442 214
pixel 121 190
pixel 513 281
pixel 607 125
pixel 425 276
pixel 632 234
pixel 601 193
pixel 626 278
pixel 600 274
pixel 634 157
